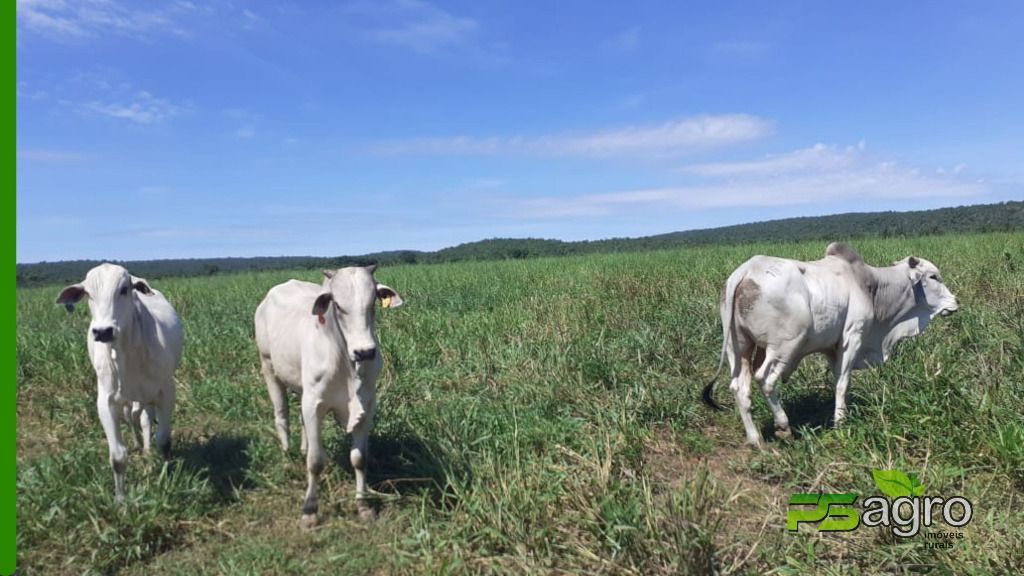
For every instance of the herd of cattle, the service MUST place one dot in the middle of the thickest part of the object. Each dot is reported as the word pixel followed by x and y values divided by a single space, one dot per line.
pixel 320 341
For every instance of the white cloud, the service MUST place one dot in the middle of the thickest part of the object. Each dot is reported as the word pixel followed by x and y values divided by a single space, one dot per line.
pixel 141 108
pixel 416 25
pixel 820 174
pixel 816 158
pixel 666 139
pixel 89 18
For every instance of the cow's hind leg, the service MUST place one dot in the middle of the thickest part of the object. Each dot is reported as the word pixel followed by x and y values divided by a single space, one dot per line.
pixel 740 385
pixel 132 418
pixel 141 423
pixel 769 379
pixel 312 415
pixel 279 399
pixel 146 419
pixel 110 417
pixel 164 415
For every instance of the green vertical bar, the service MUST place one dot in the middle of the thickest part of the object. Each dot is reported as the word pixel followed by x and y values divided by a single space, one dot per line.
pixel 8 471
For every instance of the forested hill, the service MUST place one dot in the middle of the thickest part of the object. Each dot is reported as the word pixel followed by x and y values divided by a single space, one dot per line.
pixel 1006 216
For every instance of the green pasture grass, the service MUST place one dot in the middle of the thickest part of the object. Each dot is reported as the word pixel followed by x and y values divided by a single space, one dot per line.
pixel 536 416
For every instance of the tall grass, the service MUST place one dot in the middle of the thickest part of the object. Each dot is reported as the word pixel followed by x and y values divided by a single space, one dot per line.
pixel 536 416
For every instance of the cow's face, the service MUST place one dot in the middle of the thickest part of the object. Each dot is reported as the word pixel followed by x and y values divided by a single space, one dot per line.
pixel 929 288
pixel 353 292
pixel 110 290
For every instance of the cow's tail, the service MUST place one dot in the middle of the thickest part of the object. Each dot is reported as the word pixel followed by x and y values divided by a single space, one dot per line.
pixel 727 319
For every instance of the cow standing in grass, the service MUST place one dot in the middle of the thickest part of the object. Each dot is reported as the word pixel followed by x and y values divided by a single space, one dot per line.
pixel 320 340
pixel 775 311
pixel 134 342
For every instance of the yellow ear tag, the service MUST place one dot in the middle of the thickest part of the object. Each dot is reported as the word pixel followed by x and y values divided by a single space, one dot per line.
pixel 385 302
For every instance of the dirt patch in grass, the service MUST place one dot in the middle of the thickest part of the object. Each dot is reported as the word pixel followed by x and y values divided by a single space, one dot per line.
pixel 753 509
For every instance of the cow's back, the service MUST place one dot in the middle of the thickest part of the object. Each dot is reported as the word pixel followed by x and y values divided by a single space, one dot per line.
pixel 808 301
pixel 153 352
pixel 166 333
pixel 279 323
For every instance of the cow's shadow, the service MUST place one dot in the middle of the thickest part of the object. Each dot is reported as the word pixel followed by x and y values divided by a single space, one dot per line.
pixel 223 459
pixel 809 410
pixel 403 464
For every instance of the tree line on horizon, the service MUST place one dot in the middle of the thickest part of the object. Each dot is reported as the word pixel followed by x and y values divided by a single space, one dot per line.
pixel 1000 217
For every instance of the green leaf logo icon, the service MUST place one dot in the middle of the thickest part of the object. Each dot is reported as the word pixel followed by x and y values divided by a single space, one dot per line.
pixel 896 484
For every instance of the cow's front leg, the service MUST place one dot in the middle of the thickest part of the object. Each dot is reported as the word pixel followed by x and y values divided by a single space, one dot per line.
pixel 358 456
pixel 845 366
pixel 312 417
pixel 110 418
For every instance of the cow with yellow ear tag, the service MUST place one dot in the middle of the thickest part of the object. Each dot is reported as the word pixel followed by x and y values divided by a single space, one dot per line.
pixel 320 340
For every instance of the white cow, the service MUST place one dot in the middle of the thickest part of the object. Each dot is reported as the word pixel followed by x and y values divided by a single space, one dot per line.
pixel 134 342
pixel 775 311
pixel 320 340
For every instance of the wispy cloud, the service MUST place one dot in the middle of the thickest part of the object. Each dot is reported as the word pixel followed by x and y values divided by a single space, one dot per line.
pixel 65 19
pixel 816 158
pixel 816 175
pixel 40 155
pixel 666 139
pixel 627 40
pixel 416 25
pixel 27 94
pixel 245 122
pixel 141 108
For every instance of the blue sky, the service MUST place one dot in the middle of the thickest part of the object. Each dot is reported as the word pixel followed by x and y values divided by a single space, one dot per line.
pixel 230 128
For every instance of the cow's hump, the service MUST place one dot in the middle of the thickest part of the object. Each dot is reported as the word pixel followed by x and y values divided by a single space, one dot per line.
pixel 840 250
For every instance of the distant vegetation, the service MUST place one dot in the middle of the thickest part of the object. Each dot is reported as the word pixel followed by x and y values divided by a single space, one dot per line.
pixel 1002 217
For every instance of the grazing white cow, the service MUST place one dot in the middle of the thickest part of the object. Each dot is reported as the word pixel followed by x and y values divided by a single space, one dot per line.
pixel 775 311
pixel 320 340
pixel 134 342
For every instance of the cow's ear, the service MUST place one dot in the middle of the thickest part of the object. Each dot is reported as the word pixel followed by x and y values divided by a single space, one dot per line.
pixel 140 285
pixel 915 271
pixel 372 268
pixel 70 295
pixel 328 273
pixel 323 302
pixel 388 297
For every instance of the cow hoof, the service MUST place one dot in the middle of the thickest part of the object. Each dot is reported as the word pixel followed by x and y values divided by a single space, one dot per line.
pixel 309 521
pixel 783 434
pixel 367 512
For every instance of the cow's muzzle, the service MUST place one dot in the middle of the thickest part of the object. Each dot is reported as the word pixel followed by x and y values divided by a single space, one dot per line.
pixel 365 354
pixel 103 334
pixel 949 310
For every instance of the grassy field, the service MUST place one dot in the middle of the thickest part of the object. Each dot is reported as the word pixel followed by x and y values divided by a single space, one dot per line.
pixel 537 416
